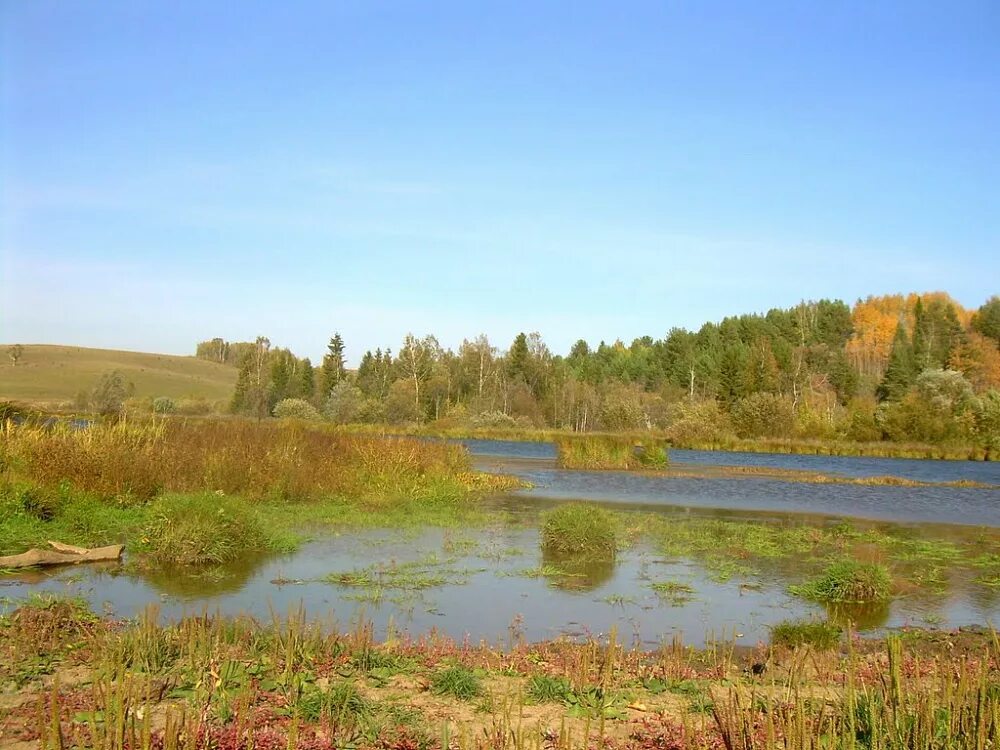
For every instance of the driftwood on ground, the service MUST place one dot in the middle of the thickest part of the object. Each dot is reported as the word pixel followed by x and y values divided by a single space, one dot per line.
pixel 61 554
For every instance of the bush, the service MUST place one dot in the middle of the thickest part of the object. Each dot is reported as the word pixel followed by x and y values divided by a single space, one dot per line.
pixel 822 636
pixel 763 415
pixel 697 423
pixel 580 530
pixel 202 529
pixel 494 419
pixel 164 405
pixel 194 407
pixel 848 581
pixel 296 408
pixel 344 403
pixel 109 395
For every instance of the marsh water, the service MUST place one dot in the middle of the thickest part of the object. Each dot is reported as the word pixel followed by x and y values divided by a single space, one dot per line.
pixel 493 582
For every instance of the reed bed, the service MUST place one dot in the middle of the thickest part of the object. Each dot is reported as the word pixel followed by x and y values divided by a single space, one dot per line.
pixel 213 682
pixel 609 452
pixel 132 462
pixel 793 445
pixel 207 491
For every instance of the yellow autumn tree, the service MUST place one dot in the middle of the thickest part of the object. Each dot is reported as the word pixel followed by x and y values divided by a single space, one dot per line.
pixel 875 320
pixel 978 358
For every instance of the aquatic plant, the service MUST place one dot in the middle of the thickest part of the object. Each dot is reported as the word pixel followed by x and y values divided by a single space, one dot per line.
pixel 848 581
pixel 610 452
pixel 201 529
pixel 580 530
pixel 675 592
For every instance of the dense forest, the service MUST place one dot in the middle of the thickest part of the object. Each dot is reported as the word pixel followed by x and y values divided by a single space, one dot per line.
pixel 905 368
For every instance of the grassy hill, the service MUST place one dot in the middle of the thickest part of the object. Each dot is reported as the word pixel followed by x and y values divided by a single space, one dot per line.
pixel 55 374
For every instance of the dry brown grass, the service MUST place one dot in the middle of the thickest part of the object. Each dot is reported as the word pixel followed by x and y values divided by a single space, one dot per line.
pixel 131 462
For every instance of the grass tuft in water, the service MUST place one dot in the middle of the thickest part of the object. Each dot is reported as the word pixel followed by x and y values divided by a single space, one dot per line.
pixel 203 529
pixel 610 452
pixel 848 581
pixel 580 530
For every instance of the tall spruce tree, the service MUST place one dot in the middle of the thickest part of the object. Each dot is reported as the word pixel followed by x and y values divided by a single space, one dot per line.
pixel 902 370
pixel 333 369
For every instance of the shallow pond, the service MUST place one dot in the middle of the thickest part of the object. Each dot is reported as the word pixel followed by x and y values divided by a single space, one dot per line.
pixel 493 582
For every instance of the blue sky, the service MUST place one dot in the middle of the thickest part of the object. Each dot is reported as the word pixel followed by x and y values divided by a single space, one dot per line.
pixel 173 171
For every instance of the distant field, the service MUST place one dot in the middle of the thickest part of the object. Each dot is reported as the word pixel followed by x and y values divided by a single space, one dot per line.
pixel 54 374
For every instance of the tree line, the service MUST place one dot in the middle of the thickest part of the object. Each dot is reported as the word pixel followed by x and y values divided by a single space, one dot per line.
pixel 906 368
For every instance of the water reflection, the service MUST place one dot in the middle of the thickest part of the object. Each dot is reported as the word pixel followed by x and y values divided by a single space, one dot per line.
pixel 577 573
pixel 863 616
pixel 194 583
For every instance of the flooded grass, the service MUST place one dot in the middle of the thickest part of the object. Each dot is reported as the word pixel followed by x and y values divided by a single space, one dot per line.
pixel 235 683
pixel 580 530
pixel 848 582
pixel 675 592
pixel 410 576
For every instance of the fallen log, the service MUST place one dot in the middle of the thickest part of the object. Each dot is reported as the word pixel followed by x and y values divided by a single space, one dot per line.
pixel 61 554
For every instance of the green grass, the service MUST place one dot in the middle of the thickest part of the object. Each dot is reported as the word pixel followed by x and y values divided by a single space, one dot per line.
pixel 820 635
pixel 52 375
pixel 408 576
pixel 205 529
pixel 678 594
pixel 580 530
pixel 545 688
pixel 459 681
pixel 850 582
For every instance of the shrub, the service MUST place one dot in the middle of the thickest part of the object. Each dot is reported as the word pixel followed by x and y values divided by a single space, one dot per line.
pixel 296 408
pixel 194 407
pixel 164 405
pixel 494 419
pixel 344 403
pixel 201 529
pixel 109 395
pixel 848 581
pixel 763 415
pixel 580 530
pixel 821 635
pixel 697 423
